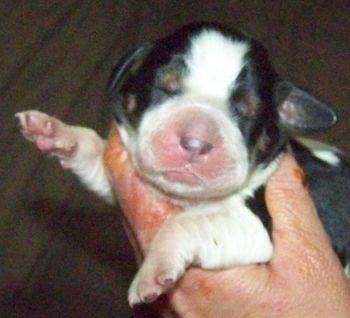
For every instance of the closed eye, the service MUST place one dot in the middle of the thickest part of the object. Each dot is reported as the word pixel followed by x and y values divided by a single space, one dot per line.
pixel 169 79
pixel 172 89
pixel 170 83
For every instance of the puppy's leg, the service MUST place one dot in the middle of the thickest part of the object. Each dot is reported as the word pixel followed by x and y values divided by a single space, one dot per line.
pixel 211 240
pixel 77 148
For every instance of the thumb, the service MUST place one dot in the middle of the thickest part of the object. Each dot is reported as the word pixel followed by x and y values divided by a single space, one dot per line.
pixel 303 254
pixel 294 215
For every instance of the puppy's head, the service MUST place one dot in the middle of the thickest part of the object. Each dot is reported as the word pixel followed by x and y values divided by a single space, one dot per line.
pixel 200 109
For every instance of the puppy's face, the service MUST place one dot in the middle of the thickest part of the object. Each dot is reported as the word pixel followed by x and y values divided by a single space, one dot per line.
pixel 200 110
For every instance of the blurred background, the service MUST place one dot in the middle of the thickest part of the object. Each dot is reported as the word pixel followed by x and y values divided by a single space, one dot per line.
pixel 63 252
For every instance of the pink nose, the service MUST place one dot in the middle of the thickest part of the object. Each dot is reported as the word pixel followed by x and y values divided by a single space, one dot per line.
pixel 195 146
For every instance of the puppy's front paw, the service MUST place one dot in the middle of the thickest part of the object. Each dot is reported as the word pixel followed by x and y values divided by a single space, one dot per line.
pixel 151 281
pixel 49 134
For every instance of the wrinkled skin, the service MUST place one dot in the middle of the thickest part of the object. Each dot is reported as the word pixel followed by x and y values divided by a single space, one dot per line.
pixel 304 278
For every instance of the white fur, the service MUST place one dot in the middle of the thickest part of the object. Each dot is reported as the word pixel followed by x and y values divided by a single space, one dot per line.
pixel 232 234
pixel 347 270
pixel 214 61
pixel 87 163
pixel 321 150
pixel 258 178
pixel 211 236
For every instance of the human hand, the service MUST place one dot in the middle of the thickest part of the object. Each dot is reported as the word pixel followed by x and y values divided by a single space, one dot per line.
pixel 304 278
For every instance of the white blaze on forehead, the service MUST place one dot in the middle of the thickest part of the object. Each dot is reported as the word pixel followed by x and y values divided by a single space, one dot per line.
pixel 214 61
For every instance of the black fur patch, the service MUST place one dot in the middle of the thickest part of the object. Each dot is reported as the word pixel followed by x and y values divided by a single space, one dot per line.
pixel 258 206
pixel 253 104
pixel 330 189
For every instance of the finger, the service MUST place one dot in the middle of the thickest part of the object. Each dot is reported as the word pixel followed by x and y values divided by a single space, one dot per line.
pixel 289 201
pixel 143 209
pixel 302 249
pixel 303 254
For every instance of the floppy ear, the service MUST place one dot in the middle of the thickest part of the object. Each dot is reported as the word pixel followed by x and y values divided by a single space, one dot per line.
pixel 126 66
pixel 301 113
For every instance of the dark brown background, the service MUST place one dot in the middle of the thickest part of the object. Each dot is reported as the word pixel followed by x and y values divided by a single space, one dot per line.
pixel 62 251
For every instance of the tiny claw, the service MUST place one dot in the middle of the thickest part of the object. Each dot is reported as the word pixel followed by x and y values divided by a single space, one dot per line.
pixel 150 298
pixel 19 119
pixel 65 165
pixel 166 283
pixel 48 130
pixel 29 119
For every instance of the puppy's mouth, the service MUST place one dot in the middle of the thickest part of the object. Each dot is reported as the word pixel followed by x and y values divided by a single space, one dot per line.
pixel 185 176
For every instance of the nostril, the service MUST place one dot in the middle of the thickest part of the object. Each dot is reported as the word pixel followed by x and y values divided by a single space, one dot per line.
pixel 195 146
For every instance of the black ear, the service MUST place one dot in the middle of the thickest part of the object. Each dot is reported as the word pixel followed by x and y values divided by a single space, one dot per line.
pixel 301 113
pixel 126 66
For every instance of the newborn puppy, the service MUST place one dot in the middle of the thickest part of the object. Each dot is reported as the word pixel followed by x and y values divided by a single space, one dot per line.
pixel 204 118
